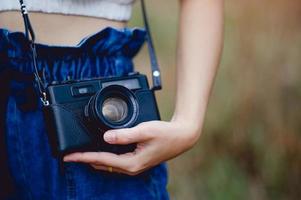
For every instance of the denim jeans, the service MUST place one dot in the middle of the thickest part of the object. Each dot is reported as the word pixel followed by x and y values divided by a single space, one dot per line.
pixel 35 173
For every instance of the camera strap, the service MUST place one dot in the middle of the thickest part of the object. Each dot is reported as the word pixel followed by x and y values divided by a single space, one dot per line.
pixel 156 75
pixel 41 83
pixel 30 35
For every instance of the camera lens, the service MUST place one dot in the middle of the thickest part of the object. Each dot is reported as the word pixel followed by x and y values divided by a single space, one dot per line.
pixel 114 109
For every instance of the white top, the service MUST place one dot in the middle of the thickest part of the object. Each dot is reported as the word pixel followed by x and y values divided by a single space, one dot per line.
pixel 119 10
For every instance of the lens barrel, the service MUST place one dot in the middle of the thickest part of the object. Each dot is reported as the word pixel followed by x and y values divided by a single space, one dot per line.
pixel 112 107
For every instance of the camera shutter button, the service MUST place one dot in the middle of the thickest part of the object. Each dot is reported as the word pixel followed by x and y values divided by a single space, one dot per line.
pixel 133 73
pixel 55 82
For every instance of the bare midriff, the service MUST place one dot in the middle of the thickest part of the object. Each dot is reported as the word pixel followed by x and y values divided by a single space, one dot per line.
pixel 57 29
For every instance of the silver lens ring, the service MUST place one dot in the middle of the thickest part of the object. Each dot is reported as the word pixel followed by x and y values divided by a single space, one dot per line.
pixel 113 107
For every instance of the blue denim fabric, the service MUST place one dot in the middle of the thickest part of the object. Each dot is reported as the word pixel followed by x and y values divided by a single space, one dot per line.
pixel 35 172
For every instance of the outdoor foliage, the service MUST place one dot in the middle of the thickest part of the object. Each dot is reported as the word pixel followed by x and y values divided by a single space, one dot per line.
pixel 251 144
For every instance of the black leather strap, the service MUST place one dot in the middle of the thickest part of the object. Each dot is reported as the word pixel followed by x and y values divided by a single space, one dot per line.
pixel 156 74
pixel 29 32
pixel 30 35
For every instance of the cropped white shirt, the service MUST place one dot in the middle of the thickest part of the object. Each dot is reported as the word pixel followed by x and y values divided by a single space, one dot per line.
pixel 119 10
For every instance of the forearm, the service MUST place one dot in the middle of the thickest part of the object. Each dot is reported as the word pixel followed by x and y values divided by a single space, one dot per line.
pixel 200 42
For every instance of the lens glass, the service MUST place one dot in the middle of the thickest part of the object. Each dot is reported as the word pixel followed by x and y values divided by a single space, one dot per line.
pixel 114 109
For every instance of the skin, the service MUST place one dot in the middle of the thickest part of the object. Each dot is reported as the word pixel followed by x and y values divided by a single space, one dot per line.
pixel 200 39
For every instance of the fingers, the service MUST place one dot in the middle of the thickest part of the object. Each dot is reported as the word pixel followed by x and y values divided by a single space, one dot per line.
pixel 100 158
pixel 139 133
pixel 125 163
pixel 111 169
pixel 128 163
pixel 106 168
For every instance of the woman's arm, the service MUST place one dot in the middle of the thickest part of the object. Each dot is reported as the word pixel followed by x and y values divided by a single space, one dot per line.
pixel 200 41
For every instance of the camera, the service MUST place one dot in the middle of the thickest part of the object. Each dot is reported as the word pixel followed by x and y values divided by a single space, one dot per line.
pixel 80 111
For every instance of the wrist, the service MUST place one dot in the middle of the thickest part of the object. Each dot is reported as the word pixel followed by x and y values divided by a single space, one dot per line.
pixel 191 128
pixel 194 123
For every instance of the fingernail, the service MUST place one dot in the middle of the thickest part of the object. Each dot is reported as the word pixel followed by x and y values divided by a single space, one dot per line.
pixel 67 159
pixel 110 136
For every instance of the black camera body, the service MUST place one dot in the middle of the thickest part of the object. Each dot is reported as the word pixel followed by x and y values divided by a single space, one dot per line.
pixel 79 112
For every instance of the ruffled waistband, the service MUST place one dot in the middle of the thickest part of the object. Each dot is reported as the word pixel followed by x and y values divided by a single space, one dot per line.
pixel 107 42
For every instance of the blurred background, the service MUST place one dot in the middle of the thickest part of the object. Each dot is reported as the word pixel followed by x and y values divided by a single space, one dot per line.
pixel 251 144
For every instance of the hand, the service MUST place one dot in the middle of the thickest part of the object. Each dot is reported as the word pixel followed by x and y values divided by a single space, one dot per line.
pixel 157 141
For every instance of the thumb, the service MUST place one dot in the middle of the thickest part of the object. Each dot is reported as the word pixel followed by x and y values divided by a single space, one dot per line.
pixel 127 135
